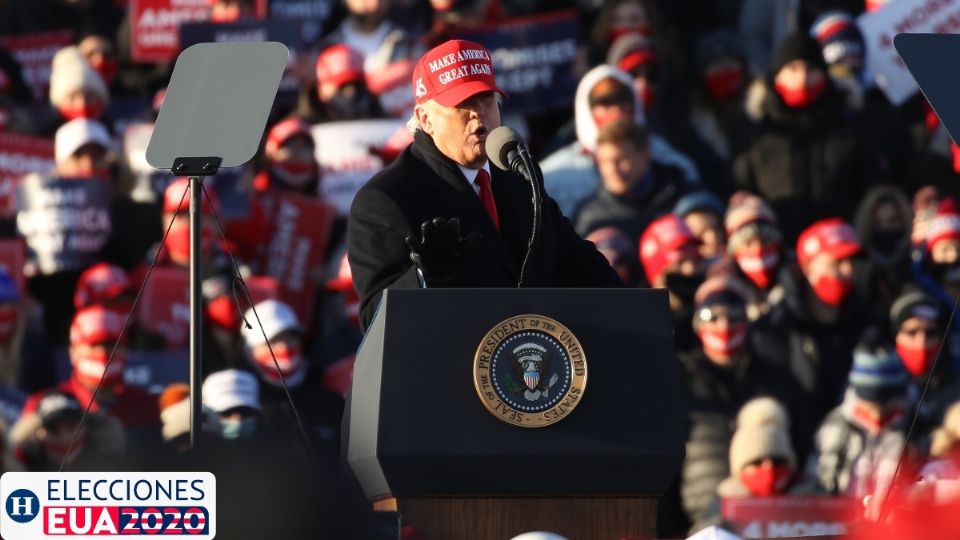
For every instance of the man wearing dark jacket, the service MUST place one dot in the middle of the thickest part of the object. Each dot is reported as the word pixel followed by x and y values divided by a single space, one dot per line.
pixel 441 205
pixel 633 190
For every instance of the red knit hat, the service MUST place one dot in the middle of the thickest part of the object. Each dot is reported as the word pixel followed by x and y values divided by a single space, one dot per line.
pixel 283 131
pixel 96 324
pixel 945 225
pixel 452 72
pixel 664 242
pixel 339 64
pixel 100 284
pixel 833 235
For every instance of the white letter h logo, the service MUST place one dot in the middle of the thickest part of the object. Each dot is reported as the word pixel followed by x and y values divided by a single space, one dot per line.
pixel 22 506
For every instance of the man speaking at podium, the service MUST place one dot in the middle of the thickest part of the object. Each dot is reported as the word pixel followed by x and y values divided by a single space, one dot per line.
pixel 441 207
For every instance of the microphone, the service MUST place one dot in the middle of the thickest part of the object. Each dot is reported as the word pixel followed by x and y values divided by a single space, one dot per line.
pixel 503 148
pixel 506 149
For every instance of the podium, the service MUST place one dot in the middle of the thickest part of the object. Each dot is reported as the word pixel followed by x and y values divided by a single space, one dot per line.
pixel 419 437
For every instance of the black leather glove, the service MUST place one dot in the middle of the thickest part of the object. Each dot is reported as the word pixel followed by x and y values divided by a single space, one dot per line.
pixel 439 250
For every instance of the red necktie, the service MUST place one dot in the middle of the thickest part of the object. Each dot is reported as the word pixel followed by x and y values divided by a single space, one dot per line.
pixel 486 196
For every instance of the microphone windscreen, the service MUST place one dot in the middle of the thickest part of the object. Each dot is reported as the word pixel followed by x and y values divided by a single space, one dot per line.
pixel 499 143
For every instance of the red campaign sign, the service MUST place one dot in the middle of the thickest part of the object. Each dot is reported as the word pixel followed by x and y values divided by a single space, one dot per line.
pixel 19 156
pixel 155 26
pixel 790 517
pixel 165 306
pixel 300 228
pixel 35 53
pixel 13 253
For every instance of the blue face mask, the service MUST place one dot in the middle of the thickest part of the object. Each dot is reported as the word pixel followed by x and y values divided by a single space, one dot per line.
pixel 238 429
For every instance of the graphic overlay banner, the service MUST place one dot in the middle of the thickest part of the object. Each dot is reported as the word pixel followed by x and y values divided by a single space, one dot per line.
pixel 81 505
pixel 903 16
pixel 533 59
pixel 790 517
pixel 19 156
pixel 35 54
pixel 286 31
pixel 347 155
pixel 65 222
pixel 300 229
pixel 155 26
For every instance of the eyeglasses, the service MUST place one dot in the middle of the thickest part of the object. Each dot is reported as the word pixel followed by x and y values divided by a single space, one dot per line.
pixel 713 314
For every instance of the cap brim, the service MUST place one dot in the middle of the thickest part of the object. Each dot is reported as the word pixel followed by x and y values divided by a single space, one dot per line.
pixel 842 251
pixel 464 91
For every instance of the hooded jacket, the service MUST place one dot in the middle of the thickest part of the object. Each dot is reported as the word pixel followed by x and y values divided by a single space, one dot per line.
pixel 570 174
pixel 883 274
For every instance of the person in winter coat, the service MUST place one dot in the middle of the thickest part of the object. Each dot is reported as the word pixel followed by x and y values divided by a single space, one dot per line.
pixel 671 259
pixel 762 460
pixel 603 95
pixel 755 243
pixel 283 348
pixel 633 191
pixel 813 330
pixel 720 376
pixel 804 156
pixel 859 444
pixel 917 322
pixel 883 223
pixel 41 438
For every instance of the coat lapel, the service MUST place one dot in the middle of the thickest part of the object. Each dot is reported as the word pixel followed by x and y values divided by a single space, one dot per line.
pixel 457 197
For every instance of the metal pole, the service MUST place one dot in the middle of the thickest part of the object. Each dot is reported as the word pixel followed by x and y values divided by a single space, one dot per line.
pixel 196 312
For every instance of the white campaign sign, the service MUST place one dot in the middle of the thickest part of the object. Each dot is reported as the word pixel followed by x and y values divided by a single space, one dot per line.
pixel 903 16
pixel 346 162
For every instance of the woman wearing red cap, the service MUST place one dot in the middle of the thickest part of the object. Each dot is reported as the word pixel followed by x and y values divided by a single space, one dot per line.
pixel 443 205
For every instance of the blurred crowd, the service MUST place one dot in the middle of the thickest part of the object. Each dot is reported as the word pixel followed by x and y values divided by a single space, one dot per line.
pixel 736 152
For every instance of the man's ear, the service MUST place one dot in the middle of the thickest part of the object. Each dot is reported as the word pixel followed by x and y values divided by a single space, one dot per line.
pixel 423 118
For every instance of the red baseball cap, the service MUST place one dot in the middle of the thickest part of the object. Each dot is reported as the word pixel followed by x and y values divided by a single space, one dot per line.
pixel 663 242
pixel 100 284
pixel 452 72
pixel 283 131
pixel 339 64
pixel 96 324
pixel 832 235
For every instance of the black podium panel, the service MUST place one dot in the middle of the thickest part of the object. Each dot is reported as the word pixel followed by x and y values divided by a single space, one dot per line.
pixel 418 428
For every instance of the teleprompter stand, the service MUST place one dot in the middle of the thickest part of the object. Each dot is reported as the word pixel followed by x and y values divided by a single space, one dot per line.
pixel 420 441
pixel 213 115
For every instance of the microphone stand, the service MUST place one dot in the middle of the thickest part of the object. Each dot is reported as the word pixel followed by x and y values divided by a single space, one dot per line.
pixel 536 183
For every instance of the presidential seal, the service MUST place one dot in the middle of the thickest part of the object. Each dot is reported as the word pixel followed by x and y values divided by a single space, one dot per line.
pixel 530 371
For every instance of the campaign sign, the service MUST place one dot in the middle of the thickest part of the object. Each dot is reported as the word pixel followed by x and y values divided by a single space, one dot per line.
pixel 66 222
pixel 903 16
pixel 155 26
pixel 533 59
pixel 790 517
pixel 286 31
pixel 21 155
pixel 347 153
pixel 300 228
pixel 81 505
pixel 313 14
pixel 164 308
pixel 35 54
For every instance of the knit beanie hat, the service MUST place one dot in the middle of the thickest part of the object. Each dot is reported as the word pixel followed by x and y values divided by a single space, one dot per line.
pixel 763 410
pixel 755 442
pixel 727 288
pixel 630 51
pixel 699 201
pixel 70 72
pixel 945 225
pixel 745 208
pixel 877 374
pixel 839 37
pixel 798 46
pixel 913 303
